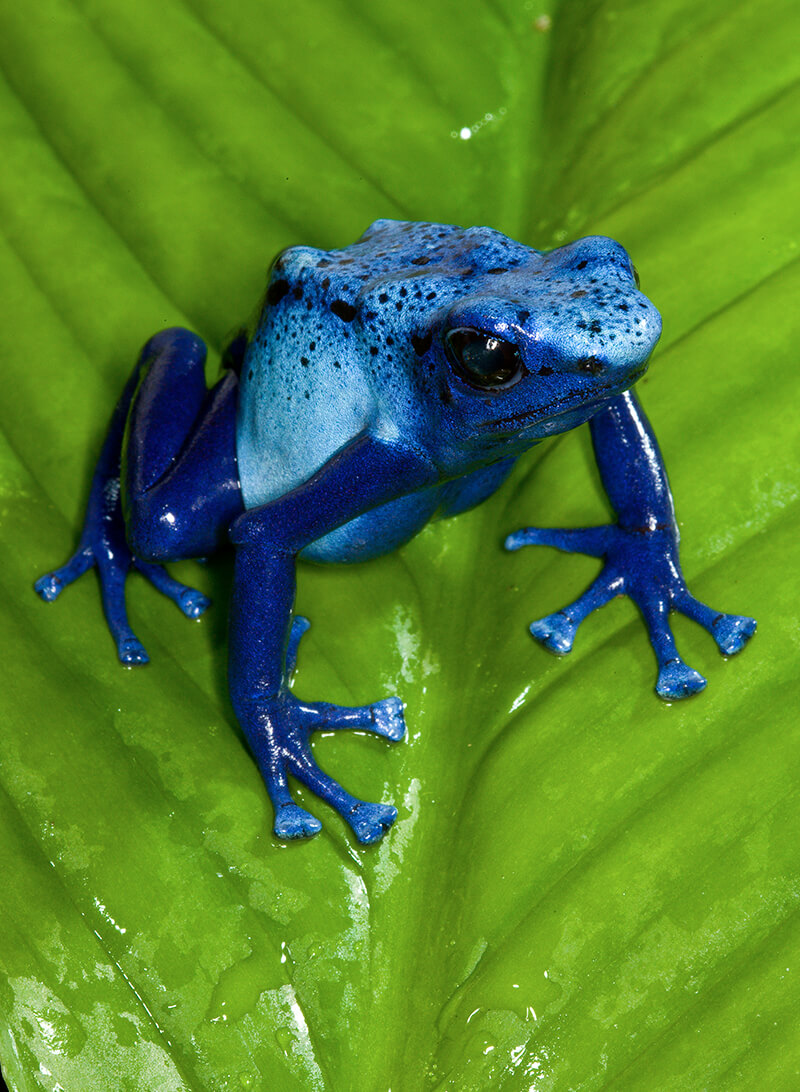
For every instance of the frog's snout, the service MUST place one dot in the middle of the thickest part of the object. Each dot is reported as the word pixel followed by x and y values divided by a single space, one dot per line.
pixel 614 352
pixel 596 320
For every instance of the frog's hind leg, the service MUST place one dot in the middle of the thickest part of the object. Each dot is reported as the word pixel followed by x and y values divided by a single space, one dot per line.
pixel 168 388
pixel 180 479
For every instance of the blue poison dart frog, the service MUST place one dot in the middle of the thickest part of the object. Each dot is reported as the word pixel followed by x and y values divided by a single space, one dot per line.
pixel 381 386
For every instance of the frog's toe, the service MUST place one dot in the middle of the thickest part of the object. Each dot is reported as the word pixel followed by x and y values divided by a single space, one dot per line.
pixel 193 603
pixel 189 601
pixel 677 680
pixel 732 632
pixel 131 651
pixel 387 719
pixel 583 540
pixel 382 718
pixel 371 821
pixel 48 587
pixel 556 632
pixel 51 585
pixel 292 821
pixel 300 626
pixel 517 539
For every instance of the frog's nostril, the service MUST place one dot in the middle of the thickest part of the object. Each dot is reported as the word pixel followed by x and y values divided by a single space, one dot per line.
pixel 591 364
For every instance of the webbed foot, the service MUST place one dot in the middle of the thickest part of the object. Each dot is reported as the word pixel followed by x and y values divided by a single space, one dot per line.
pixel 113 566
pixel 642 563
pixel 279 730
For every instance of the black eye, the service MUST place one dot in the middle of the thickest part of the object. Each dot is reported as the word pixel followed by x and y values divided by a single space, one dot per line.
pixel 635 275
pixel 482 360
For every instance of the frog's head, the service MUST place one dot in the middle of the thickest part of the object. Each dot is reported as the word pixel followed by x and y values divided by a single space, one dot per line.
pixel 476 345
pixel 539 348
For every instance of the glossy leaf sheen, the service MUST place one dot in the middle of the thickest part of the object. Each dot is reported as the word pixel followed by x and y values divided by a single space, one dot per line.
pixel 585 888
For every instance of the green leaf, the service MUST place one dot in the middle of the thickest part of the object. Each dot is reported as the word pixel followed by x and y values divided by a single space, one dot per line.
pixel 585 888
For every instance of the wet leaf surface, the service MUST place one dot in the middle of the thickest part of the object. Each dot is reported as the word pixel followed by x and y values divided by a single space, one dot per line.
pixel 585 888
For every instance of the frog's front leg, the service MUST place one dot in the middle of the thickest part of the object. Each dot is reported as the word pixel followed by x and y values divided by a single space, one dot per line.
pixel 278 726
pixel 640 552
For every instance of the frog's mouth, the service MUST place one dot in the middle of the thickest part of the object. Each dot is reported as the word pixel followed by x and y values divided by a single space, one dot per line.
pixel 566 404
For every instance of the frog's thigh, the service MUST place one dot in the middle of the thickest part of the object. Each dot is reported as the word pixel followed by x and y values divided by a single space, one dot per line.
pixel 180 482
pixel 464 493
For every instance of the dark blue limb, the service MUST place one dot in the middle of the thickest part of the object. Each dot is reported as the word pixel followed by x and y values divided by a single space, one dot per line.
pixel 300 626
pixel 192 602
pixel 278 726
pixel 179 473
pixel 169 439
pixel 640 552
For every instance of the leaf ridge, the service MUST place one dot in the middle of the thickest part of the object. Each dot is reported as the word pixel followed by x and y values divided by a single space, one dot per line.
pixel 90 202
pixel 167 1044
pixel 650 65
pixel 761 107
pixel 220 163
pixel 494 951
pixel 734 964
pixel 291 109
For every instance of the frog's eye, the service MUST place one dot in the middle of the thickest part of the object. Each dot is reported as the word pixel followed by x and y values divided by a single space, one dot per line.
pixel 482 360
pixel 636 275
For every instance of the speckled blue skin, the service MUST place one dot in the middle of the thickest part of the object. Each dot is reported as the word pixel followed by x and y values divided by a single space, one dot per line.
pixel 349 428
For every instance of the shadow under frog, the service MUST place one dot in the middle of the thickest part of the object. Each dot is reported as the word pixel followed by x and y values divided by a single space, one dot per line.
pixel 382 386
